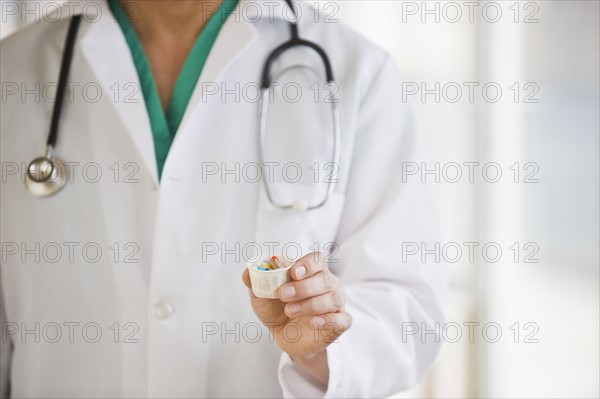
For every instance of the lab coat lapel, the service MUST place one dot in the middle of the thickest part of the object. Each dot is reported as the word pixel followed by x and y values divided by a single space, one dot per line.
pixel 236 35
pixel 103 43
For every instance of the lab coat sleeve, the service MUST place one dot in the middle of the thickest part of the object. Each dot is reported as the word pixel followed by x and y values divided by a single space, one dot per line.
pixel 395 299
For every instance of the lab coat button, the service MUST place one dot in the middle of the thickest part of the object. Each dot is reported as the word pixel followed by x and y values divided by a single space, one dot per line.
pixel 163 311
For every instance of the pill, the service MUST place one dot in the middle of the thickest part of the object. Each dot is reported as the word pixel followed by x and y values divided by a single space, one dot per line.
pixel 275 262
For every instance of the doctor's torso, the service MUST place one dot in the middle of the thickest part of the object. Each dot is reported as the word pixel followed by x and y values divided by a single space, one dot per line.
pixel 131 286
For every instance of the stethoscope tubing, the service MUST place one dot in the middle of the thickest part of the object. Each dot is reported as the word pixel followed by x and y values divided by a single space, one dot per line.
pixel 296 41
pixel 65 68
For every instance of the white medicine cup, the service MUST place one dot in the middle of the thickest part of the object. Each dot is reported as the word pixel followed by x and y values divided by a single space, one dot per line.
pixel 265 283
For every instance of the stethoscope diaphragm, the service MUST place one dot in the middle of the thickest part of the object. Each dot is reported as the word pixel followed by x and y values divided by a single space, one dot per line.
pixel 45 176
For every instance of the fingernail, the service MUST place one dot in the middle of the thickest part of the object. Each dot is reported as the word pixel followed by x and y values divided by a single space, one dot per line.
pixel 300 271
pixel 288 292
pixel 319 321
pixel 293 308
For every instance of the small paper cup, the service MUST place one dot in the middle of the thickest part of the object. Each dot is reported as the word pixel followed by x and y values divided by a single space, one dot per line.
pixel 265 283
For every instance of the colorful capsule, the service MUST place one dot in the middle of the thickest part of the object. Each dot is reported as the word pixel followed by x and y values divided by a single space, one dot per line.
pixel 275 262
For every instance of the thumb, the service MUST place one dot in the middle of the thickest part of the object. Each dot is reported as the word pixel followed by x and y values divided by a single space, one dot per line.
pixel 246 278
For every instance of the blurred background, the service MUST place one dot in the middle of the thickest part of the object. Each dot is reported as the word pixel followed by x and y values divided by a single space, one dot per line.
pixel 508 98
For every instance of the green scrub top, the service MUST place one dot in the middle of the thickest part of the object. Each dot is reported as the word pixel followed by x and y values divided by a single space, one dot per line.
pixel 164 126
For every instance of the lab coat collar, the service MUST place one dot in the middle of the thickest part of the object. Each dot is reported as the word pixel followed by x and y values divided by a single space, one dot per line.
pixel 103 42
pixel 236 35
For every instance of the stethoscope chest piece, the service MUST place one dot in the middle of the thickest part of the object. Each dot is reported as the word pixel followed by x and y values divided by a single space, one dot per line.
pixel 45 176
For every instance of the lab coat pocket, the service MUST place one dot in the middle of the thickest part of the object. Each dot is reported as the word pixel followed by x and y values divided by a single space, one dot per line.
pixel 292 233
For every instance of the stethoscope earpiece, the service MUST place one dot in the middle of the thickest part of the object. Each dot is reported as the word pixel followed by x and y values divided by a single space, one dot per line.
pixel 45 176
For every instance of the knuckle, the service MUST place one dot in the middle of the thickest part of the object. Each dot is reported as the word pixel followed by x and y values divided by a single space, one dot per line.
pixel 338 300
pixel 309 289
pixel 310 260
pixel 316 261
pixel 328 281
pixel 317 304
pixel 303 288
pixel 346 322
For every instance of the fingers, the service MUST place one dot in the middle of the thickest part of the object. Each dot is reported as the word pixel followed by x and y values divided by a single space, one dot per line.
pixel 247 283
pixel 246 278
pixel 303 337
pixel 318 284
pixel 332 325
pixel 330 302
pixel 310 278
pixel 307 266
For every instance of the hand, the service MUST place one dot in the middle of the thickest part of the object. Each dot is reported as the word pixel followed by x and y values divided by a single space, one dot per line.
pixel 308 314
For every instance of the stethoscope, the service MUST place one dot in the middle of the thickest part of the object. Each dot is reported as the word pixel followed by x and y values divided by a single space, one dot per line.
pixel 46 175
pixel 300 205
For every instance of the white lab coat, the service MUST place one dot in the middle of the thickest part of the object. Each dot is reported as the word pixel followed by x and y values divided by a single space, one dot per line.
pixel 178 321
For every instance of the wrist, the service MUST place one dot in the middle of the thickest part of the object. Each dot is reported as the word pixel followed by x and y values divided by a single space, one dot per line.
pixel 315 365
